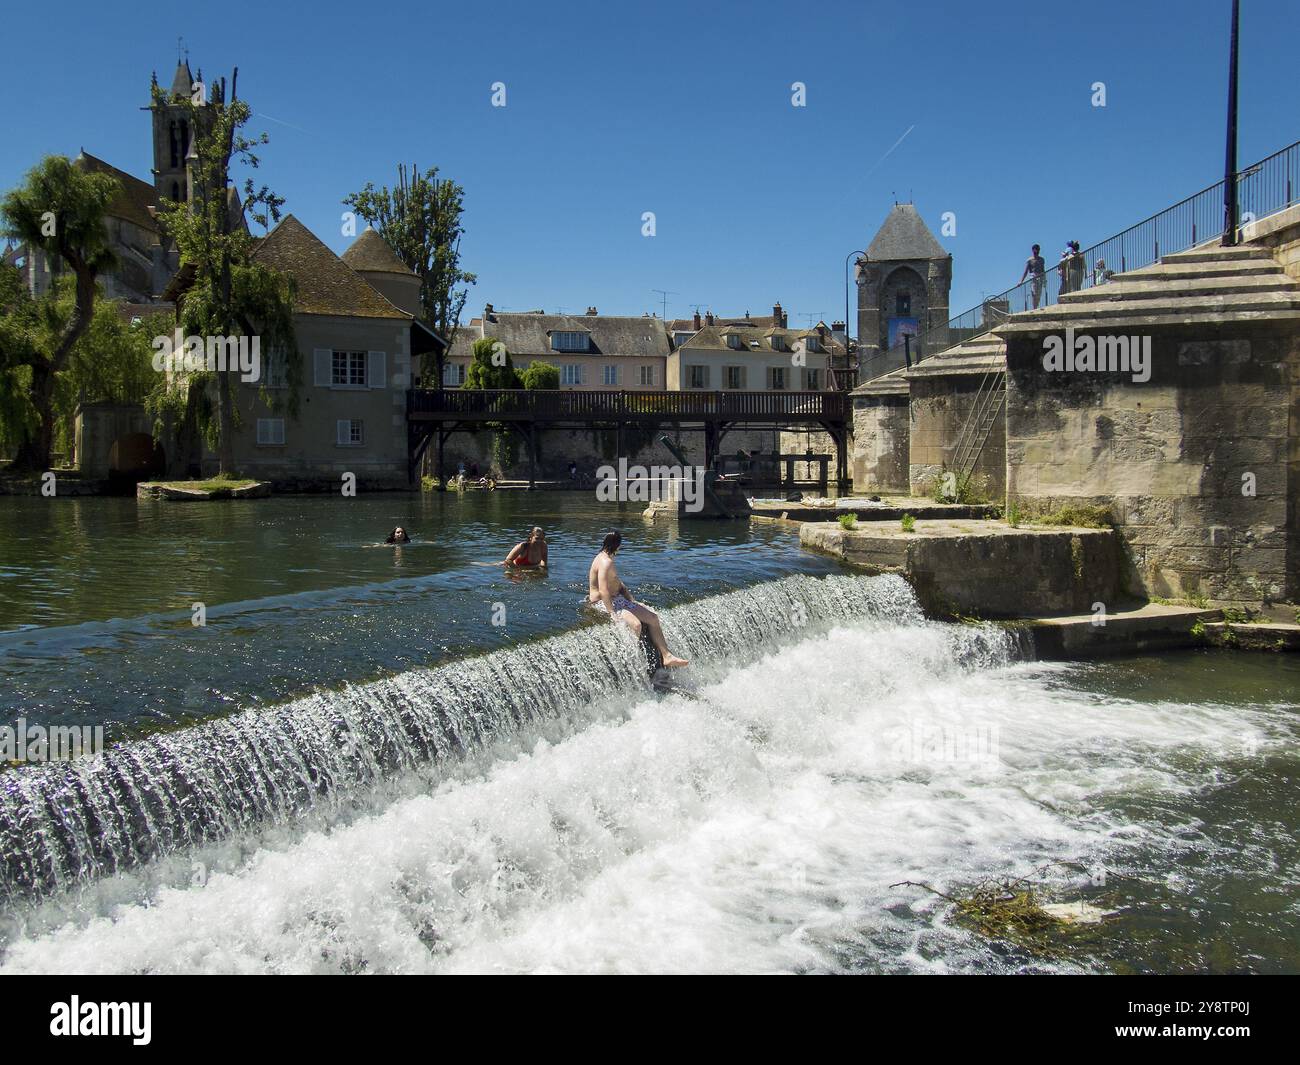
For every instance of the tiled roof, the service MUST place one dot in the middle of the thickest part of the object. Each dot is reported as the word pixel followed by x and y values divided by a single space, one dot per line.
pixel 371 252
pixel 132 203
pixel 529 333
pixel 905 236
pixel 326 284
pixel 711 338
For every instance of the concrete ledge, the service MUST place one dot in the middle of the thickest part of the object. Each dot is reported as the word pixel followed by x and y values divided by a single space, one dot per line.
pixel 983 568
pixel 200 491
pixel 890 508
pixel 1266 636
pixel 1150 627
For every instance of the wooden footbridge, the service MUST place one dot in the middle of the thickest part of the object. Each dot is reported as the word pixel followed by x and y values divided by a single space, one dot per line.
pixel 434 414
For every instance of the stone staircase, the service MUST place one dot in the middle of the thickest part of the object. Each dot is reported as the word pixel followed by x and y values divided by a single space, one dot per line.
pixel 1201 285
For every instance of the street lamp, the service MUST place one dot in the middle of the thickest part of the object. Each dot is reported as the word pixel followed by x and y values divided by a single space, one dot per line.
pixel 1230 156
pixel 847 319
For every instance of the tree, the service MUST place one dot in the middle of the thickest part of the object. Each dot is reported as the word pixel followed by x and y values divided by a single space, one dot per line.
pixel 231 295
pixel 541 376
pixel 492 366
pixel 60 210
pixel 420 221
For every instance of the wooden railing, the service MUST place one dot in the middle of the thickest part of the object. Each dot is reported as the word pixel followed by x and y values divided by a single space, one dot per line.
pixel 620 405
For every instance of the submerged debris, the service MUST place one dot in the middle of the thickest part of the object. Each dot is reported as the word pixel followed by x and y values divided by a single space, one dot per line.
pixel 1016 911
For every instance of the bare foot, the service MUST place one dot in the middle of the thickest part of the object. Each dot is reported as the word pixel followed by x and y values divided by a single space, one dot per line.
pixel 673 662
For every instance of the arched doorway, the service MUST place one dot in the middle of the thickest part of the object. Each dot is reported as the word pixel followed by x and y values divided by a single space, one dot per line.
pixel 133 458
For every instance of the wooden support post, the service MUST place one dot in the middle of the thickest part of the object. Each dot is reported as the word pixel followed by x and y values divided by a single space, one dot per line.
pixel 442 464
pixel 532 456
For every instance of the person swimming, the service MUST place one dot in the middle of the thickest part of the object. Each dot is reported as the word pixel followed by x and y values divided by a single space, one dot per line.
pixel 530 553
pixel 398 536
pixel 606 591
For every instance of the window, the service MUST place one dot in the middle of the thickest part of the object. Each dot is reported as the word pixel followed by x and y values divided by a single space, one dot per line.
pixel 735 377
pixel 610 375
pixel 733 341
pixel 350 433
pixel 903 302
pixel 778 343
pixel 776 378
pixel 570 341
pixel 571 374
pixel 814 380
pixel 349 369
pixel 812 343
pixel 647 377
pixel 681 338
pixel 270 432
pixel 277 372
pixel 453 375
pixel 698 376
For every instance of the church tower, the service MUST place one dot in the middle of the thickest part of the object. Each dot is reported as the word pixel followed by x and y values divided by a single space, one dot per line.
pixel 172 136
pixel 903 284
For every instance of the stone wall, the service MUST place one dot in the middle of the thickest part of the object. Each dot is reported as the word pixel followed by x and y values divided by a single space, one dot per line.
pixel 881 434
pixel 99 426
pixel 1199 465
pixel 1281 234
pixel 940 406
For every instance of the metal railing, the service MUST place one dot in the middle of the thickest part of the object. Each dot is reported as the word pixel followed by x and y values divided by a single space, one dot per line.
pixel 1269 186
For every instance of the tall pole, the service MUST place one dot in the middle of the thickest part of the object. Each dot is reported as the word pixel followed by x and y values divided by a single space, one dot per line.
pixel 1230 157
pixel 848 327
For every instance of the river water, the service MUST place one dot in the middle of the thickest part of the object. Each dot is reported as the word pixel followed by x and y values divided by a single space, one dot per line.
pixel 377 779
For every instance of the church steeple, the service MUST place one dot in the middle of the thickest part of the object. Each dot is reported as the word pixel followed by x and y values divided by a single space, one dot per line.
pixel 172 134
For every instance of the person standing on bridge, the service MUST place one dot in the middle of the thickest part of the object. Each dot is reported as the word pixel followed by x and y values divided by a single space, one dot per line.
pixel 1036 271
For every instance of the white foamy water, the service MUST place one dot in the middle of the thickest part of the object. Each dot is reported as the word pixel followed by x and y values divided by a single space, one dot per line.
pixel 754 827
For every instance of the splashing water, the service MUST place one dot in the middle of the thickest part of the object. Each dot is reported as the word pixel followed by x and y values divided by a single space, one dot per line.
pixel 61 825
pixel 753 824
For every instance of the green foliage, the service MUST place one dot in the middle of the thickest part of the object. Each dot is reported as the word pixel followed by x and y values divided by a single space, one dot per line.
pixel 492 366
pixel 908 523
pixel 1013 512
pixel 429 484
pixel 420 219
pixel 231 294
pixel 1079 515
pixel 60 210
pixel 848 522
pixel 542 376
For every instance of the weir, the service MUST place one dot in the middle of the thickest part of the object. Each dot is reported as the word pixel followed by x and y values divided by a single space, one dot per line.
pixel 64 825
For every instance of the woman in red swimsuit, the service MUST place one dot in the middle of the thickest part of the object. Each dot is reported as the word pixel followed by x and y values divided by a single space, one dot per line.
pixel 530 553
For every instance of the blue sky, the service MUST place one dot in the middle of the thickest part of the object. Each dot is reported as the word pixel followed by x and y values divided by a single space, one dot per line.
pixel 685 110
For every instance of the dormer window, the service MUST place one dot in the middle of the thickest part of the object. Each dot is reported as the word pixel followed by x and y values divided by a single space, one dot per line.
pixel 570 341
pixel 778 343
pixel 812 344
pixel 733 341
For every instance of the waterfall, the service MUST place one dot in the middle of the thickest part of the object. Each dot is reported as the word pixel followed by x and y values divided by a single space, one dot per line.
pixel 66 824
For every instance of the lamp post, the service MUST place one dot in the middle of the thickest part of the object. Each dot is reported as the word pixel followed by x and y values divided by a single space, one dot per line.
pixel 1230 156
pixel 847 328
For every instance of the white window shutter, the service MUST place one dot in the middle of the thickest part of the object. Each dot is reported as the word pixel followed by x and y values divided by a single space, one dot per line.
pixel 376 369
pixel 342 431
pixel 323 360
pixel 582 373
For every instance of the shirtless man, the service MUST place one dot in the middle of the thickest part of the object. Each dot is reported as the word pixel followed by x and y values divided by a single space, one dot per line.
pixel 604 589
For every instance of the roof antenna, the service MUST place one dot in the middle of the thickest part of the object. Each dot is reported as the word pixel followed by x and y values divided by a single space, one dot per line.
pixel 665 293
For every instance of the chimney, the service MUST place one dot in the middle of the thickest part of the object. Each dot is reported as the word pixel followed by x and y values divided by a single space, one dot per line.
pixel 708 318
pixel 591 310
pixel 777 317
pixel 695 322
pixel 487 313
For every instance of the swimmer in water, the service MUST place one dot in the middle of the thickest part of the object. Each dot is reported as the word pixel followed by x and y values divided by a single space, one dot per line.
pixel 606 591
pixel 531 553
pixel 398 536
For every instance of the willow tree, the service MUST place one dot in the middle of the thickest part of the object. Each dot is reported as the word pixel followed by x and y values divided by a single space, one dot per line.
pixel 60 210
pixel 229 294
pixel 420 220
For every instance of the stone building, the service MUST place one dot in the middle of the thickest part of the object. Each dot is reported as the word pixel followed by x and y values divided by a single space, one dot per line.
pixel 146 258
pixel 903 287
pixel 1181 420
pixel 357 346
